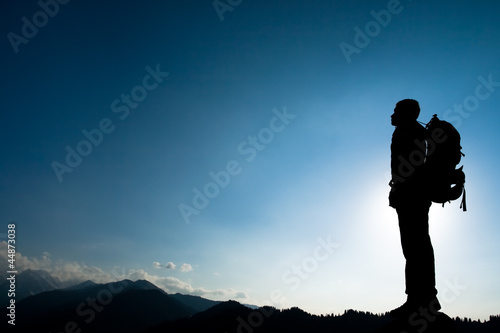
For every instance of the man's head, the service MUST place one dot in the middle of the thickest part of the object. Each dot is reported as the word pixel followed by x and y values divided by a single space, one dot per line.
pixel 405 111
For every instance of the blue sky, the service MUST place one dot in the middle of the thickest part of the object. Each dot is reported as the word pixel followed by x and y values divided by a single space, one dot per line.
pixel 264 95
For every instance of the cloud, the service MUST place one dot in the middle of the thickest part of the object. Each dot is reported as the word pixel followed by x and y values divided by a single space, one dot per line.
pixel 174 285
pixel 170 265
pixel 22 263
pixel 73 272
pixel 186 268
pixel 241 294
pixel 68 272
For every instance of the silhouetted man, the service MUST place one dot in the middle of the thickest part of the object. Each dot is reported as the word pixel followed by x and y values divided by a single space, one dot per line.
pixel 409 198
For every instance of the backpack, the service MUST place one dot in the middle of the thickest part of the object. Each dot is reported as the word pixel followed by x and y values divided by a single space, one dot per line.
pixel 444 181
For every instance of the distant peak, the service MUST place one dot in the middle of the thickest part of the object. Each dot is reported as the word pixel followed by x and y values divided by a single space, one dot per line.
pixel 228 305
pixel 82 285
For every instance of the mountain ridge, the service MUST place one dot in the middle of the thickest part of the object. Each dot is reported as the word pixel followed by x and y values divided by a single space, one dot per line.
pixel 231 316
pixel 125 306
pixel 28 283
pixel 140 306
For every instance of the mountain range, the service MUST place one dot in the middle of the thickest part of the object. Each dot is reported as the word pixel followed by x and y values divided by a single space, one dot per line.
pixel 140 306
pixel 29 283
pixel 123 306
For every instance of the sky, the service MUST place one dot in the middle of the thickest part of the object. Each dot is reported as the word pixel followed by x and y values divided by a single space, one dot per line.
pixel 241 149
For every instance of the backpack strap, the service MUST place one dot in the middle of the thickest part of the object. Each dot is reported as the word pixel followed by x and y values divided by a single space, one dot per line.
pixel 463 205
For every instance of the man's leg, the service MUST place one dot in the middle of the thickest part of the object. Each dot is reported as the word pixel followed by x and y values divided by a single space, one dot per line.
pixel 418 251
pixel 419 255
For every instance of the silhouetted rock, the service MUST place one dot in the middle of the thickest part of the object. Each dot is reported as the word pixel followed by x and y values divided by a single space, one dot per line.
pixel 439 323
pixel 223 317
pixel 233 317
